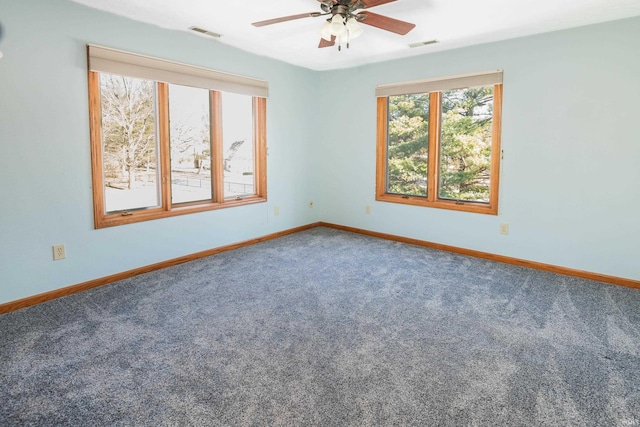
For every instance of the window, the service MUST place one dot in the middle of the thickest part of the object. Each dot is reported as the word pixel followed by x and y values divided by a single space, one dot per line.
pixel 169 139
pixel 438 142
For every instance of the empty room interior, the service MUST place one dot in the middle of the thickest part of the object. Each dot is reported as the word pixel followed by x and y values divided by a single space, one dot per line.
pixel 340 212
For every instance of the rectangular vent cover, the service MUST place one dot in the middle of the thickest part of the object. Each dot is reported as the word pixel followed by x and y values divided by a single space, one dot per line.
pixel 203 31
pixel 427 43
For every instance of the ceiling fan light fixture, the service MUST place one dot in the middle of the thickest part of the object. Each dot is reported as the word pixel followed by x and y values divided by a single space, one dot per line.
pixel 354 28
pixel 343 22
pixel 325 31
pixel 337 26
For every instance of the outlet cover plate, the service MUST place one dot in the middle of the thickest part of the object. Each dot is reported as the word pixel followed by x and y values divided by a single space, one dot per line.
pixel 58 252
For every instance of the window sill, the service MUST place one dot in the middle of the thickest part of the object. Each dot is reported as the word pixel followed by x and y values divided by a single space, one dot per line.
pixel 118 218
pixel 472 207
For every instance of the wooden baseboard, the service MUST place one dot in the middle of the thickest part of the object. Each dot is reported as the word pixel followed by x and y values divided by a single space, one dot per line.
pixel 74 289
pixel 620 281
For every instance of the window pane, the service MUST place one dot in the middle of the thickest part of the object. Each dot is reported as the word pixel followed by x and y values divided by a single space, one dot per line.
pixel 407 144
pixel 129 143
pixel 465 144
pixel 237 145
pixel 190 140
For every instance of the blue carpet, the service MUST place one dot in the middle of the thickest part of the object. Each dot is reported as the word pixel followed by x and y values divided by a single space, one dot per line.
pixel 328 328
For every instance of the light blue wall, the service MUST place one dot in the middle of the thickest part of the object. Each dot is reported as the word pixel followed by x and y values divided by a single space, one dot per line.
pixel 569 178
pixel 570 182
pixel 45 173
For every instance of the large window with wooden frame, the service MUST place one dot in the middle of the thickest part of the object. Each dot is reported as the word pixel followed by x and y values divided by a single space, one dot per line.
pixel 169 139
pixel 438 142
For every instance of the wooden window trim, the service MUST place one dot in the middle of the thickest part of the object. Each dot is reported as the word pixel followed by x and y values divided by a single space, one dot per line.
pixel 431 200
pixel 217 150
pixel 162 93
pixel 260 145
pixel 166 210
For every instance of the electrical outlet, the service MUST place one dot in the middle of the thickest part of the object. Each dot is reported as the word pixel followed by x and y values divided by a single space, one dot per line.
pixel 58 252
pixel 504 229
pixel 310 203
pixel 367 210
pixel 276 210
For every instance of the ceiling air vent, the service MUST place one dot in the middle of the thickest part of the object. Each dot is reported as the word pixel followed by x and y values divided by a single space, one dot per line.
pixel 203 31
pixel 420 44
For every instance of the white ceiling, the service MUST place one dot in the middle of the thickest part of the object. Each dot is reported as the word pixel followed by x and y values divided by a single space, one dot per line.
pixel 455 23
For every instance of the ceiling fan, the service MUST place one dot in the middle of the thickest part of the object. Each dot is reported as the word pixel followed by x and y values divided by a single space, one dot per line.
pixel 344 20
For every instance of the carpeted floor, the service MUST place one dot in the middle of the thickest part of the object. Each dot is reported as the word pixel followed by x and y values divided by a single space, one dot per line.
pixel 328 328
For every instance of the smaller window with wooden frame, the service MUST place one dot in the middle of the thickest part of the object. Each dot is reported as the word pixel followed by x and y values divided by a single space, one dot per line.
pixel 438 142
pixel 170 139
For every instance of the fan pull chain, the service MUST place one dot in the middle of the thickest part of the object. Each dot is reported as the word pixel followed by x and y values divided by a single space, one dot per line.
pixel 340 42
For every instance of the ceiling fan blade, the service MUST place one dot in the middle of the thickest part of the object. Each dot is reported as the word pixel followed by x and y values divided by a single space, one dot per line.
pixel 373 3
pixel 326 43
pixel 386 23
pixel 285 18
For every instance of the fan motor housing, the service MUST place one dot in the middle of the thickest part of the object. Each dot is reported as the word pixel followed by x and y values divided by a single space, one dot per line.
pixel 342 7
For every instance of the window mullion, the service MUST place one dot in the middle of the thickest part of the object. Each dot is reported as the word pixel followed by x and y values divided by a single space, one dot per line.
pixel 381 155
pixel 496 153
pixel 434 145
pixel 259 146
pixel 217 150
pixel 165 149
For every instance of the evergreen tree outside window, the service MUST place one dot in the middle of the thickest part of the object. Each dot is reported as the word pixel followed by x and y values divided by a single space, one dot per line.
pixel 439 143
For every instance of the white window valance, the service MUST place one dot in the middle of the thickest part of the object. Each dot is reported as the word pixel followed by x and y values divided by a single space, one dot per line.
pixel 440 84
pixel 113 61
